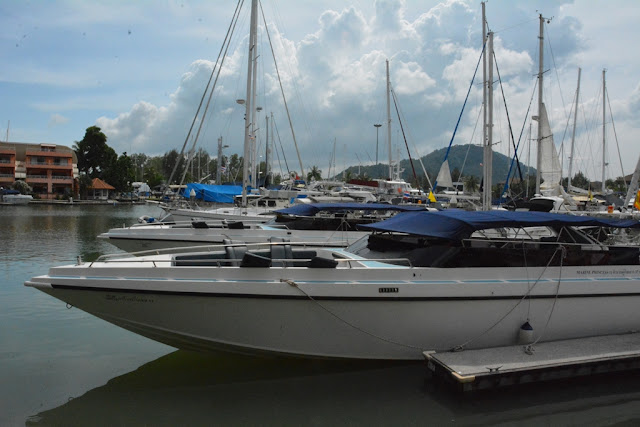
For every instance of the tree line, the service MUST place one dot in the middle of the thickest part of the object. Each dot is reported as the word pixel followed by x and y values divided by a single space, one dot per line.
pixel 96 159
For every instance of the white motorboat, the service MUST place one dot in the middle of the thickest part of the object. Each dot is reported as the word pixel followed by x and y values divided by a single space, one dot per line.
pixel 326 224
pixel 15 198
pixel 420 281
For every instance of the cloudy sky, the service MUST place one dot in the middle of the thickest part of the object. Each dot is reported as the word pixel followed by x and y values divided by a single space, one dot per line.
pixel 138 71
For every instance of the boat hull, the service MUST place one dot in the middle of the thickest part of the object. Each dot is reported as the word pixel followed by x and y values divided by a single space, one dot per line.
pixel 371 313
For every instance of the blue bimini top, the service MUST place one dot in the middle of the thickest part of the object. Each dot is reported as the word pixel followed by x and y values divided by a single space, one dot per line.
pixel 454 224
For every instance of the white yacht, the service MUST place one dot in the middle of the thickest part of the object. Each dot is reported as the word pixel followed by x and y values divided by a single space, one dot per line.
pixel 14 197
pixel 327 224
pixel 420 281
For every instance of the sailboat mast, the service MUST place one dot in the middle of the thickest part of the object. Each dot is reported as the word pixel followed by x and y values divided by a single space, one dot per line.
pixel 267 158
pixel 248 126
pixel 254 110
pixel 573 136
pixel 389 122
pixel 540 71
pixel 488 150
pixel 604 143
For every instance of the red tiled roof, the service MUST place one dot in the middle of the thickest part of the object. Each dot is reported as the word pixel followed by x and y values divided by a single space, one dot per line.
pixel 98 184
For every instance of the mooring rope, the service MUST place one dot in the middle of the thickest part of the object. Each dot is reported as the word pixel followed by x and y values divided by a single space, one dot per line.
pixel 461 346
pixel 529 348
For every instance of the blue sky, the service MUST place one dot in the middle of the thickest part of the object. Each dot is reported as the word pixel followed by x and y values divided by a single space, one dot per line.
pixel 138 70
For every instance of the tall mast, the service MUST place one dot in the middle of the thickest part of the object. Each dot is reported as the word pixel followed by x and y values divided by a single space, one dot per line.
pixel 488 151
pixel 389 122
pixel 540 71
pixel 573 136
pixel 254 110
pixel 484 94
pixel 604 143
pixel 267 158
pixel 248 125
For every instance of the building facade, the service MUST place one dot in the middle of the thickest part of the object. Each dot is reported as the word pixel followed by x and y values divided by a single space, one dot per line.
pixel 50 170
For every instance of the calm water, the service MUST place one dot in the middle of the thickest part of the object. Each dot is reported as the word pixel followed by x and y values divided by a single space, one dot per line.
pixel 62 367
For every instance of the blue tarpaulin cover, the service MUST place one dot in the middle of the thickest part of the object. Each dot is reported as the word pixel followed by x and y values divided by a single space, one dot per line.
pixel 213 193
pixel 313 208
pixel 457 224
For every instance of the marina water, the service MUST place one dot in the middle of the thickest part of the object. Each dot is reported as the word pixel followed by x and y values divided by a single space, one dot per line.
pixel 61 366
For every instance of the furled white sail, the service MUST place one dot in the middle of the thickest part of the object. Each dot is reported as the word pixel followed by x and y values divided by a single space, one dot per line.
pixel 444 176
pixel 550 169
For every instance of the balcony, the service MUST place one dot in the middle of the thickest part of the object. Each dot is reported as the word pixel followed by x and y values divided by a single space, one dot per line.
pixel 38 179
pixel 7 177
pixel 63 155
pixel 44 165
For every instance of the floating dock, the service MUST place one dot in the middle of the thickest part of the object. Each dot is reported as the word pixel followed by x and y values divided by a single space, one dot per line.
pixel 470 370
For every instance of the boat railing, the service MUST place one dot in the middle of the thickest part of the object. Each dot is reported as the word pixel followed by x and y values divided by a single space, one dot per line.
pixel 272 262
pixel 211 248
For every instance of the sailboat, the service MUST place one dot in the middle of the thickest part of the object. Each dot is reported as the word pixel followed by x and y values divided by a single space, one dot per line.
pixel 254 205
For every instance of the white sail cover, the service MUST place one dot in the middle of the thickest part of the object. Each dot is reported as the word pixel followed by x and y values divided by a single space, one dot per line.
pixel 550 169
pixel 444 176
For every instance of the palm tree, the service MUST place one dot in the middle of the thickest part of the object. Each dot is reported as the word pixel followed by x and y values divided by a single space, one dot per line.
pixel 471 183
pixel 314 174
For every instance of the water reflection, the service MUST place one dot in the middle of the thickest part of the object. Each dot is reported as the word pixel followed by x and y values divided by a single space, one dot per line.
pixel 184 388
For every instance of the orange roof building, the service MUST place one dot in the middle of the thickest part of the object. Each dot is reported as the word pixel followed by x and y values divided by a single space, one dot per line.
pixel 100 189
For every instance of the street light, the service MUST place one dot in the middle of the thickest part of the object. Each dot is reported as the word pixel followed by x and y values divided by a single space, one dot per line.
pixel 377 129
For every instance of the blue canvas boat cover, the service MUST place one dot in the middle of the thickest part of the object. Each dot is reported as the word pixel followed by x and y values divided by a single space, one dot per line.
pixel 311 209
pixel 457 224
pixel 213 193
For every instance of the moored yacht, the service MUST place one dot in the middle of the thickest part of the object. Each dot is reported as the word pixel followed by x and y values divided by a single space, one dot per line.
pixel 328 224
pixel 420 281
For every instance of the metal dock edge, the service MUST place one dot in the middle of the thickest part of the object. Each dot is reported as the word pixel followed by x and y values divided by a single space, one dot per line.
pixel 488 368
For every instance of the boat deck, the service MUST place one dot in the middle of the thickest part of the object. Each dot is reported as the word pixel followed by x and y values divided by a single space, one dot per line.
pixel 471 370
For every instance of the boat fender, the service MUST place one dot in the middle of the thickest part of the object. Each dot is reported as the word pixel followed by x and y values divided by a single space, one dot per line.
pixel 525 335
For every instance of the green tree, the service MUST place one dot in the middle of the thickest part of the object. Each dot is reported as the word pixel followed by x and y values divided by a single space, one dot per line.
pixel 121 173
pixel 84 182
pixel 93 153
pixel 314 174
pixel 580 181
pixel 140 162
pixel 22 187
pixel 455 174
pixel 169 163
pixel 152 177
pixel 617 185
pixel 234 168
pixel 471 183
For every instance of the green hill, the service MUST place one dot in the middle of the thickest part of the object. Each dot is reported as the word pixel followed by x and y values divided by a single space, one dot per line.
pixel 466 158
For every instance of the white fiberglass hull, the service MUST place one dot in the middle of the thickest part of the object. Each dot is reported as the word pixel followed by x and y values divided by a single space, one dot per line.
pixel 369 312
pixel 17 199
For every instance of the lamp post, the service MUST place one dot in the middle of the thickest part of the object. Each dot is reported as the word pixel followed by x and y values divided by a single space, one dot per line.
pixel 377 129
pixel 219 169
